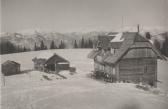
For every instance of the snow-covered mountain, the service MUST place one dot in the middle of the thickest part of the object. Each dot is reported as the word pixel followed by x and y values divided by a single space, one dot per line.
pixel 28 38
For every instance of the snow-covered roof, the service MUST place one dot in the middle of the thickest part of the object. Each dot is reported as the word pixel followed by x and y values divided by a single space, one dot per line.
pixel 45 55
pixel 118 38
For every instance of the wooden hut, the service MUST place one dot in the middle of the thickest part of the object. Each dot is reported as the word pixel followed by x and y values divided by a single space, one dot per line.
pixel 56 63
pixel 40 60
pixel 10 68
pixel 135 60
pixel 50 62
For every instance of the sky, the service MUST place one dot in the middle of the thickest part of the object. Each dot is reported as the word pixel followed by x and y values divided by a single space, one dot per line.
pixel 81 15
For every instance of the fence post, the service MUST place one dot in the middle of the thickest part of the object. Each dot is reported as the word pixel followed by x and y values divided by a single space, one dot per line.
pixel 3 79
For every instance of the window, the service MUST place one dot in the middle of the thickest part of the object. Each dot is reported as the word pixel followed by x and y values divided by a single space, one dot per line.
pixel 112 51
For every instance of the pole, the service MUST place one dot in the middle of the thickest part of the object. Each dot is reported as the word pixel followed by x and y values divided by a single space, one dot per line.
pixel 3 79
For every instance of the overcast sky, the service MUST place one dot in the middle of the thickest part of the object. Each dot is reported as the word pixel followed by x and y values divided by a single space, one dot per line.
pixel 81 15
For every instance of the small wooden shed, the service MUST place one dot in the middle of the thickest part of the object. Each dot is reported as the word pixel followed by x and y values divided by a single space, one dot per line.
pixel 57 63
pixel 50 62
pixel 10 68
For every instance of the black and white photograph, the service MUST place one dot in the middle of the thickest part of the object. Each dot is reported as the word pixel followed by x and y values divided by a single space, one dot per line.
pixel 84 54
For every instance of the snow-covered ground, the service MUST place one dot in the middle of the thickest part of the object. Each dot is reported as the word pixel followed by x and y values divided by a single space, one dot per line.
pixel 32 91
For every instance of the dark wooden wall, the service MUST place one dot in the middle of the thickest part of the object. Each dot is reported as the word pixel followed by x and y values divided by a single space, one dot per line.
pixel 10 69
pixel 64 66
pixel 138 70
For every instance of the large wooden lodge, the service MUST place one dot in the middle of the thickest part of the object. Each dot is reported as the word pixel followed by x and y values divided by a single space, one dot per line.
pixel 127 57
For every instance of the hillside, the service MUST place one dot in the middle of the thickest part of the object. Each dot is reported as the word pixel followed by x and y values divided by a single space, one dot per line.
pixel 31 91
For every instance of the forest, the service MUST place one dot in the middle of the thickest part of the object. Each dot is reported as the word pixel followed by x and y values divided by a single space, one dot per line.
pixel 7 47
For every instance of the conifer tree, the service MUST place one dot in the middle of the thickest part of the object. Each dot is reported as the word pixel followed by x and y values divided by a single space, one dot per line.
pixel 164 49
pixel 75 44
pixel 82 43
pixel 52 45
pixel 42 46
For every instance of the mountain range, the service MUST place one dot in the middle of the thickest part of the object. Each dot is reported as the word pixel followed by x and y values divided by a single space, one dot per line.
pixel 28 40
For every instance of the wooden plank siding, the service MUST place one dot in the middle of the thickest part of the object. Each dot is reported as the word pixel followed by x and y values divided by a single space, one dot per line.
pixel 140 53
pixel 138 70
pixel 39 64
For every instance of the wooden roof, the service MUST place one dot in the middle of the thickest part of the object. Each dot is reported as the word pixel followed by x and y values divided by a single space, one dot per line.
pixel 56 59
pixel 10 62
pixel 132 40
pixel 105 40
pixel 93 54
pixel 115 45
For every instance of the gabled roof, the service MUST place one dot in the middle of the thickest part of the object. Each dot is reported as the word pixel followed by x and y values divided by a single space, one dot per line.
pixel 129 39
pixel 93 54
pixel 55 59
pixel 10 62
pixel 115 45
pixel 128 43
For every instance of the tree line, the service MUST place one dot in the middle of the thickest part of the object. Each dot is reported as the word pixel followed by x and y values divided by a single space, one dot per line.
pixel 164 47
pixel 42 46
pixel 7 47
pixel 83 43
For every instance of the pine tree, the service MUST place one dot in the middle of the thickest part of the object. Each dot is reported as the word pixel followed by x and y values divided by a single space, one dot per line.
pixel 86 44
pixel 62 45
pixel 52 45
pixel 148 35
pixel 35 47
pixel 90 43
pixel 7 47
pixel 164 49
pixel 24 49
pixel 82 43
pixel 75 44
pixel 42 46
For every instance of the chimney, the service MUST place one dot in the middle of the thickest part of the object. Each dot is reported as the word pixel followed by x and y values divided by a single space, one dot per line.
pixel 138 28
